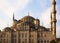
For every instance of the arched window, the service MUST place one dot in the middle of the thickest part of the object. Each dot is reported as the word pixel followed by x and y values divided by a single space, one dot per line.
pixel 41 41
pixel 45 41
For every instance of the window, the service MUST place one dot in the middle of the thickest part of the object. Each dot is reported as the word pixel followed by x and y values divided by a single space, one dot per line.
pixel 22 35
pixel 1 35
pixel 25 27
pixel 19 34
pixel 38 35
pixel 14 41
pixel 29 35
pixel 25 40
pixel 7 40
pixel 48 41
pixel 20 28
pixel 22 41
pixel 14 35
pixel 45 35
pixel 6 35
pixel 38 41
pixel 45 41
pixel 4 40
pixel 25 34
pixel 41 41
pixel 19 41
pixel 32 41
pixel 41 35
pixel 29 40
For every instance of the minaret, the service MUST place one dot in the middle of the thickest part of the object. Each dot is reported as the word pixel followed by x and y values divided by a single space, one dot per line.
pixel 53 18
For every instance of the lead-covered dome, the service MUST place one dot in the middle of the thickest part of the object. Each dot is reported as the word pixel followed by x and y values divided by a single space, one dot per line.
pixel 27 18
pixel 7 29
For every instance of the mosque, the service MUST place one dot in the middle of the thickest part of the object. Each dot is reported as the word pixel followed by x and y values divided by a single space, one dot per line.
pixel 29 30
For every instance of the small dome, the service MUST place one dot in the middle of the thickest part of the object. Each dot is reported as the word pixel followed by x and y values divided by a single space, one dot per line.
pixel 7 29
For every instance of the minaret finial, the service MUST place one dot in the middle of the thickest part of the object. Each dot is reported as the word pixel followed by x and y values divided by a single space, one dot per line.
pixel 28 14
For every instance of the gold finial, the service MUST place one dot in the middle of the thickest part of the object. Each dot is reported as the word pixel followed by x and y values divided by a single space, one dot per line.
pixel 28 14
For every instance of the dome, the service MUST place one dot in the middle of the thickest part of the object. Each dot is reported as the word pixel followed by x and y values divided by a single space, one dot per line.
pixel 7 29
pixel 27 18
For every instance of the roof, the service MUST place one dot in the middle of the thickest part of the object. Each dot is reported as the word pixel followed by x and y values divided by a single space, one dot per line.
pixel 27 18
pixel 7 29
pixel 44 28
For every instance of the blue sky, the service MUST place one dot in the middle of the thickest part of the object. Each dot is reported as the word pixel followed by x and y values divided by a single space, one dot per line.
pixel 40 9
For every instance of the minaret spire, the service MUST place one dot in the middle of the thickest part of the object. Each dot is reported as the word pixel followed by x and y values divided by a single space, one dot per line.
pixel 53 18
pixel 13 16
pixel 14 21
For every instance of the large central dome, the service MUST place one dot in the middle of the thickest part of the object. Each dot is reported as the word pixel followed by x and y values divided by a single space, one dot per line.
pixel 27 18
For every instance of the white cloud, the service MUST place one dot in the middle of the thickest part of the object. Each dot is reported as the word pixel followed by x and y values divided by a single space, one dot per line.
pixel 8 7
pixel 45 17
pixel 58 31
pixel 58 21
pixel 3 24
pixel 58 15
pixel 44 3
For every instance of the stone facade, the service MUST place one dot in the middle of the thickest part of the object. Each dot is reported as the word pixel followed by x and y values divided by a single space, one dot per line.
pixel 29 30
pixel 26 30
